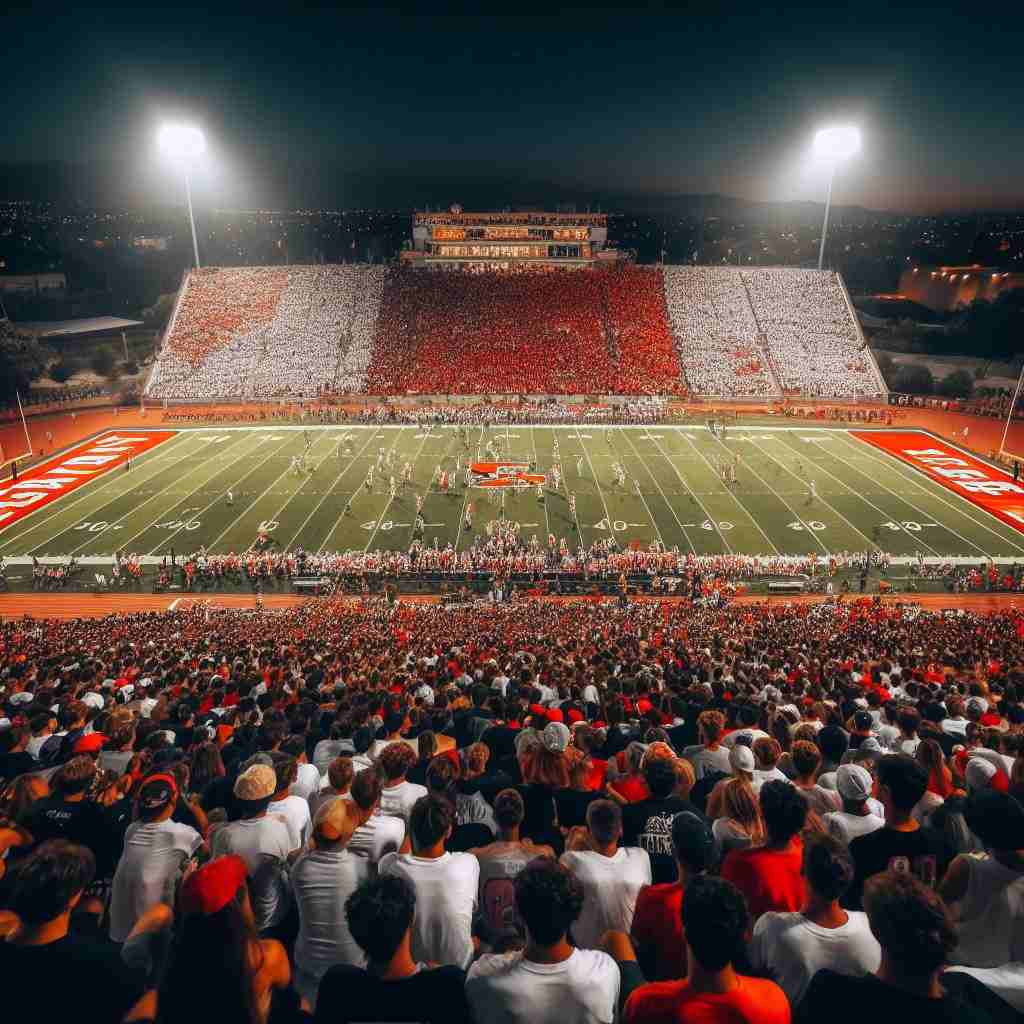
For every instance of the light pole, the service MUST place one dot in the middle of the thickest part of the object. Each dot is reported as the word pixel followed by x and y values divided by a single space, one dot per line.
pixel 184 144
pixel 832 146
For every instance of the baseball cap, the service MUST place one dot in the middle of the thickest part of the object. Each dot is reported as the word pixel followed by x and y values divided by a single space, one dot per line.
pixel 979 773
pixel 213 886
pixel 741 758
pixel 555 737
pixel 257 782
pixel 853 782
pixel 90 743
pixel 157 791
pixel 93 700
pixel 22 697
pixel 334 820
pixel 871 746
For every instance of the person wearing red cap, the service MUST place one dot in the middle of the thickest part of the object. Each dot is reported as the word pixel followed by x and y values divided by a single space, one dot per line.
pixel 155 850
pixel 218 956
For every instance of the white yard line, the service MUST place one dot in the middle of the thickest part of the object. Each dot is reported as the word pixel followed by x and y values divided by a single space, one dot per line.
pixel 792 510
pixel 536 459
pixel 234 462
pixel 390 500
pixel 291 497
pixel 746 511
pixel 644 500
pixel 330 490
pixel 818 497
pixel 597 483
pixel 914 477
pixel 867 501
pixel 707 515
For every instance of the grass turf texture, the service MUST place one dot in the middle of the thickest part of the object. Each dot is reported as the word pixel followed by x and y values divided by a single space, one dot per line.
pixel 176 494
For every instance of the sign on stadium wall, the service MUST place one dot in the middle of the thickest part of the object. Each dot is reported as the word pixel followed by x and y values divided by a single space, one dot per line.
pixel 504 474
pixel 67 472
pixel 989 487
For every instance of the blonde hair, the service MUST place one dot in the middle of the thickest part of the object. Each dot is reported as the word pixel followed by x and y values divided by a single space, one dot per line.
pixel 740 804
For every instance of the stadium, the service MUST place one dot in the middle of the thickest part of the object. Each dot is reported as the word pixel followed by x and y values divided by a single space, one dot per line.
pixel 515 401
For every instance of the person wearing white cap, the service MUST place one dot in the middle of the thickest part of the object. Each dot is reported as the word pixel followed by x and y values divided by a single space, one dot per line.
pixel 855 819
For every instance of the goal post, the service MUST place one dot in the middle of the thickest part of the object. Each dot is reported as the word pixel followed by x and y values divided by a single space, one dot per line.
pixel 9 452
pixel 1011 446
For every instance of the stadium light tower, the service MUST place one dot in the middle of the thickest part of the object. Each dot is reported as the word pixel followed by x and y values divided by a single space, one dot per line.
pixel 831 147
pixel 184 144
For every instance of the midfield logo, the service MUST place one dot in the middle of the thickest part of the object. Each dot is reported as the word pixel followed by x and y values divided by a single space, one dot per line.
pixel 504 474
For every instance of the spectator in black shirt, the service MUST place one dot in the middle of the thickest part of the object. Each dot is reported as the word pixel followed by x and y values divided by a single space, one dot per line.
pixel 393 987
pixel 14 758
pixel 903 844
pixel 916 934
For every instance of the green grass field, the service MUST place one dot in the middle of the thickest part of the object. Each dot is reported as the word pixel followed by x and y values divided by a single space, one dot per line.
pixel 175 495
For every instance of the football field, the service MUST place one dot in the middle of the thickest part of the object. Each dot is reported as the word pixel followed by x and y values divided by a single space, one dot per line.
pixel 797 490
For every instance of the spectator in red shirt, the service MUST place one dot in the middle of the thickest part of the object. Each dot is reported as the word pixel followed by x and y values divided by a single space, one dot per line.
pixel 657 920
pixel 631 787
pixel 714 922
pixel 769 876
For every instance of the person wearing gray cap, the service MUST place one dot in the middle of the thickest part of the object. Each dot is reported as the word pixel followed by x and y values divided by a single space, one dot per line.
pixel 855 819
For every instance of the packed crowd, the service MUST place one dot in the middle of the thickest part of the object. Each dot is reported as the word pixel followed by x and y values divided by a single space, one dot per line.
pixel 259 333
pixel 270 332
pixel 562 332
pixel 536 813
pixel 716 333
pixel 811 334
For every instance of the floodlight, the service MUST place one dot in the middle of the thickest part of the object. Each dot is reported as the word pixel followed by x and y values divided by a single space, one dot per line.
pixel 837 143
pixel 182 142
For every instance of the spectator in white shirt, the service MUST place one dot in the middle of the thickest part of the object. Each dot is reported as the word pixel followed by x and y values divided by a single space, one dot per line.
pixel 395 723
pixel 445 884
pixel 307 776
pixel 292 810
pixel 549 981
pixel 612 876
pixel 398 796
pixel 262 841
pixel 854 783
pixel 792 947
pixel 155 850
pixel 43 725
pixel 322 879
pixel 710 755
pixel 376 834
pixel 362 740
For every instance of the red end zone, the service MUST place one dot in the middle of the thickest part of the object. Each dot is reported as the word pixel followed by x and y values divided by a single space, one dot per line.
pixel 988 487
pixel 75 467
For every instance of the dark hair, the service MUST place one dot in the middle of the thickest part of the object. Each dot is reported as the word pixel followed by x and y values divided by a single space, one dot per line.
pixel 692 841
pixel 714 921
pixel 604 819
pixel 832 742
pixel 429 821
pixel 509 809
pixel 910 922
pixel 905 778
pixel 366 788
pixel 396 759
pixel 212 955
pixel 806 756
pixel 549 898
pixel 441 775
pixel 379 913
pixel 660 776
pixel 784 809
pixel 286 769
pixel 828 866
pixel 75 776
pixel 41 886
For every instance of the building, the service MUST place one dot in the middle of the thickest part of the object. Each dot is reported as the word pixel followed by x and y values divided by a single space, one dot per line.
pixel 508 241
pixel 946 289
pixel 53 283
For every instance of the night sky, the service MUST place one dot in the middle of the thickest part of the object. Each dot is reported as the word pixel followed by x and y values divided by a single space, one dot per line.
pixel 307 106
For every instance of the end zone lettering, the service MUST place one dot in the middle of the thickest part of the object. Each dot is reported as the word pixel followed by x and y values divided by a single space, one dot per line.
pixel 43 484
pixel 988 487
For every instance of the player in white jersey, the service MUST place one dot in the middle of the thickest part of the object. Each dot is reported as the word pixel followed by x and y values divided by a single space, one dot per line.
pixel 636 487
pixel 579 466
pixel 231 499
pixel 406 473
pixel 572 506
pixel 392 487
pixel 813 492
pixel 419 503
pixel 556 476
pixel 369 478
pixel 554 450
pixel 620 474
pixel 467 519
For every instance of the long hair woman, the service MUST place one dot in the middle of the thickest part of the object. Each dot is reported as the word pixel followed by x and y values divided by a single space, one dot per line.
pixel 741 825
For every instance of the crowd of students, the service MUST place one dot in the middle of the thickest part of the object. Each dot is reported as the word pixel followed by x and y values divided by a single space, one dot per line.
pixel 543 812
pixel 558 332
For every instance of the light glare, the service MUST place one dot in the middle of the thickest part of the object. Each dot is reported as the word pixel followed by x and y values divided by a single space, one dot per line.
pixel 837 143
pixel 183 142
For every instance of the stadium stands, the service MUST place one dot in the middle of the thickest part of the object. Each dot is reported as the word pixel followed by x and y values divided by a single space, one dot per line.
pixel 300 332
